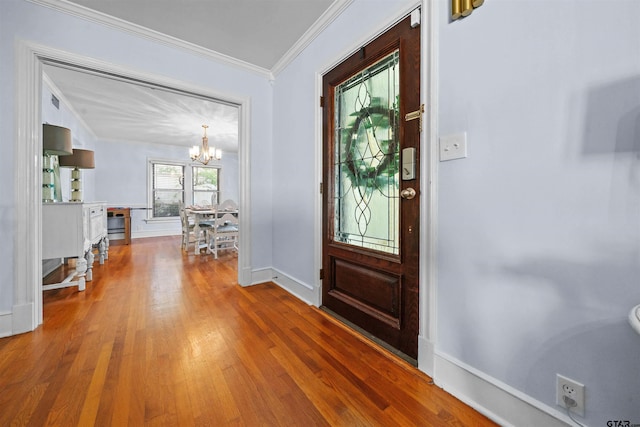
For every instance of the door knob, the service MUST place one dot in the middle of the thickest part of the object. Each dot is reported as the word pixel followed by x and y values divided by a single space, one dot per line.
pixel 408 193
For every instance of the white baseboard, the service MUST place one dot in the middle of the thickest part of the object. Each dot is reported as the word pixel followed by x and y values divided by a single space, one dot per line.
pixel 245 276
pixel 498 401
pixel 6 323
pixel 22 319
pixel 302 290
pixel 299 289
pixel 261 276
pixel 50 265
pixel 426 355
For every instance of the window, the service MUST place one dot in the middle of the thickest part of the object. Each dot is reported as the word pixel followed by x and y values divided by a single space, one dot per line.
pixel 176 183
pixel 205 185
pixel 167 189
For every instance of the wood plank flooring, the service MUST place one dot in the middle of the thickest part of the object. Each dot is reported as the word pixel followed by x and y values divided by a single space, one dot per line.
pixel 165 338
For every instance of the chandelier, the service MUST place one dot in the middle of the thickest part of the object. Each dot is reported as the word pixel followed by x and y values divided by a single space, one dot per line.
pixel 205 153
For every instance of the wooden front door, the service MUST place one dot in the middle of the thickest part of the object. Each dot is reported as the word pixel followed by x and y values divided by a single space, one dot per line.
pixel 371 176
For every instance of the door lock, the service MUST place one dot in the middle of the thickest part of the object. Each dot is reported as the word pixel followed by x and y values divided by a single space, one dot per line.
pixel 408 193
pixel 408 163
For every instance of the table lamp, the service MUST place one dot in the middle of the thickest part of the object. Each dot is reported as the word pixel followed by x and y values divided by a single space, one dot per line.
pixel 56 141
pixel 80 159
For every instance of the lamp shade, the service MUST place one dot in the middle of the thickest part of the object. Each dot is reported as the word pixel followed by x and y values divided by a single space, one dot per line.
pixel 81 159
pixel 56 140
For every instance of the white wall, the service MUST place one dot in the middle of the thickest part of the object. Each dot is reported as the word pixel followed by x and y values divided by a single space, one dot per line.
pixel 23 20
pixel 539 228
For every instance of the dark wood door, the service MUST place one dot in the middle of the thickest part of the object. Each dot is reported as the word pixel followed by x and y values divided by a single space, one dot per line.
pixel 371 146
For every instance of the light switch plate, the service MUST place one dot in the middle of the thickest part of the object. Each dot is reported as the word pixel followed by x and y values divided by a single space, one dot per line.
pixel 453 146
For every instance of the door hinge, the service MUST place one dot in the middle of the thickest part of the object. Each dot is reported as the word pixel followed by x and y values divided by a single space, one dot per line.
pixel 322 102
pixel 416 115
pixel 321 188
pixel 321 274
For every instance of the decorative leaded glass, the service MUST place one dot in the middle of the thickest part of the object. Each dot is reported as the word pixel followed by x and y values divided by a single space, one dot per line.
pixel 367 158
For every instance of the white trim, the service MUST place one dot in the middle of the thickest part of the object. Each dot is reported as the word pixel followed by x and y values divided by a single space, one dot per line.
pixel 151 161
pixel 6 324
pixel 301 290
pixel 28 173
pixel 27 184
pixel 138 30
pixel 262 275
pixel 244 204
pixel 495 399
pixel 429 185
pixel 22 317
pixel 187 177
pixel 336 8
pixel 426 354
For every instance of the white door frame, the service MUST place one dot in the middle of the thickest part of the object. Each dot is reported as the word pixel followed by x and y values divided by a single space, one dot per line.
pixel 27 301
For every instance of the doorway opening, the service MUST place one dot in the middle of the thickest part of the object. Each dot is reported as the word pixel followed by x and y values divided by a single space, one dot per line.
pixel 28 177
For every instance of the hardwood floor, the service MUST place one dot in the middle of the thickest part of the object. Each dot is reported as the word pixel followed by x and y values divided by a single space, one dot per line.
pixel 161 337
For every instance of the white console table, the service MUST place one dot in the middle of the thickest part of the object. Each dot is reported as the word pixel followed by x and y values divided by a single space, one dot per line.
pixel 71 230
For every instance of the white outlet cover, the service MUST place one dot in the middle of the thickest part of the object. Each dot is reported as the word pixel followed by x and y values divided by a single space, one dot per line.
pixel 577 393
pixel 453 146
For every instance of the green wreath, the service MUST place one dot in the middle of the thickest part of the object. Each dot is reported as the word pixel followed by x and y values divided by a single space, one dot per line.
pixel 357 170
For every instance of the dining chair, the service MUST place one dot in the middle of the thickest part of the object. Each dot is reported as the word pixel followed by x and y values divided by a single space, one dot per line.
pixel 189 236
pixel 223 234
pixel 228 205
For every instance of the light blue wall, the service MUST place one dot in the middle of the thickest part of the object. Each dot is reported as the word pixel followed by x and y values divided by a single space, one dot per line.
pixel 23 20
pixel 294 160
pixel 81 138
pixel 121 179
pixel 539 228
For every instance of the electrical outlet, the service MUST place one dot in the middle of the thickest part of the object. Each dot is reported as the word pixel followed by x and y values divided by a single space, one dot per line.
pixel 571 389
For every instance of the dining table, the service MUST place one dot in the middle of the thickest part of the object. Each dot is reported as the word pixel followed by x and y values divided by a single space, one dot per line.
pixel 202 214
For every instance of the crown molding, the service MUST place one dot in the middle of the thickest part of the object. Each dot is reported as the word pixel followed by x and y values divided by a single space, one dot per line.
pixel 336 8
pixel 138 30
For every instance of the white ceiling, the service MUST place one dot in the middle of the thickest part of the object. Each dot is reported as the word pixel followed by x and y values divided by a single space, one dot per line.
pixel 259 32
pixel 256 32
pixel 121 111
